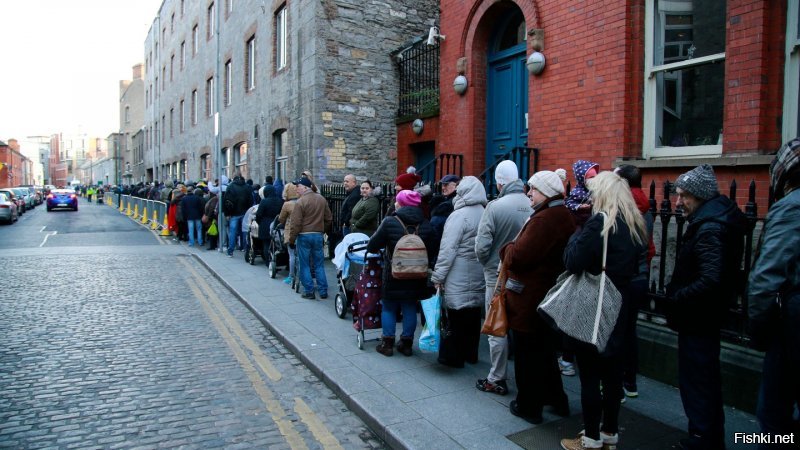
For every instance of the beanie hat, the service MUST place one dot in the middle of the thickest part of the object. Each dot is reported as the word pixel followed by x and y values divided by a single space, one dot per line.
pixel 700 182
pixel 550 184
pixel 407 181
pixel 506 172
pixel 408 198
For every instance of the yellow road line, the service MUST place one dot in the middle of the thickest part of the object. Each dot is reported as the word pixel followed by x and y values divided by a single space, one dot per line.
pixel 317 428
pixel 274 407
pixel 255 351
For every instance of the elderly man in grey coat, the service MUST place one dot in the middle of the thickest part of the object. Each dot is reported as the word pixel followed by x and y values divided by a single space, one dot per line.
pixel 500 224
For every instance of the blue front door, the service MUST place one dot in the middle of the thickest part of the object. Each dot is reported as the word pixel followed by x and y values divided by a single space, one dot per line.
pixel 507 103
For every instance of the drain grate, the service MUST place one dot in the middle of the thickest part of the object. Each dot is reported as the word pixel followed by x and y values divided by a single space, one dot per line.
pixel 636 432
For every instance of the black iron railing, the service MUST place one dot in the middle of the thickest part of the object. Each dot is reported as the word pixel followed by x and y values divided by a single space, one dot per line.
pixel 444 164
pixel 419 80
pixel 526 159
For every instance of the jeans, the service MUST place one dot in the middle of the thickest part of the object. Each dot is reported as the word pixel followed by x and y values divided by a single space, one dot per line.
pixel 389 317
pixel 309 250
pixel 234 230
pixel 700 383
pixel 195 232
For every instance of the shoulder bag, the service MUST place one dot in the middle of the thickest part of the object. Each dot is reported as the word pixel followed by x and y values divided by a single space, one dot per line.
pixel 496 323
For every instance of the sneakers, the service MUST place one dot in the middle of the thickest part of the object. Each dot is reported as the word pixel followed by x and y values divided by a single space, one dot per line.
pixel 630 390
pixel 309 295
pixel 567 368
pixel 288 280
pixel 323 296
pixel 499 387
pixel 606 442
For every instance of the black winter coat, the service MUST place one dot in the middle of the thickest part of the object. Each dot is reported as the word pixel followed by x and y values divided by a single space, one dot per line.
pixel 584 252
pixel 347 206
pixel 240 194
pixel 268 210
pixel 385 238
pixel 192 207
pixel 707 275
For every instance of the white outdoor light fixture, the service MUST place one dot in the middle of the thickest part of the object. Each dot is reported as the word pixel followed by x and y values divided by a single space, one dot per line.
pixel 535 63
pixel 417 126
pixel 460 84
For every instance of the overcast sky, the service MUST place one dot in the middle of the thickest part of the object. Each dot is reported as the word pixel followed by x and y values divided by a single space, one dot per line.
pixel 62 61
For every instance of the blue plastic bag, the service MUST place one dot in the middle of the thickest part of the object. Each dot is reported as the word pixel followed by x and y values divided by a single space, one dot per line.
pixel 430 338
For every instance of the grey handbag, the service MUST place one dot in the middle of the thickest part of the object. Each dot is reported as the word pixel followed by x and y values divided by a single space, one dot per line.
pixel 584 306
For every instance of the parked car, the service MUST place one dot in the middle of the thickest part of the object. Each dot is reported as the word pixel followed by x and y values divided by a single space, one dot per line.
pixel 8 209
pixel 20 202
pixel 25 194
pixel 62 198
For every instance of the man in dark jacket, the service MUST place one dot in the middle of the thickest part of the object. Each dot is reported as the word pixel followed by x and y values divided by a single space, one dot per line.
pixel 192 207
pixel 353 196
pixel 268 209
pixel 236 200
pixel 702 288
pixel 774 298
pixel 442 205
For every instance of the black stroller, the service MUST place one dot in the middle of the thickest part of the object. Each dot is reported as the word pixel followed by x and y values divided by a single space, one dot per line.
pixel 256 247
pixel 278 251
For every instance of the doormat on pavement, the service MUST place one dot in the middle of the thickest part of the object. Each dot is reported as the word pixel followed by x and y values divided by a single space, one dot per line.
pixel 636 432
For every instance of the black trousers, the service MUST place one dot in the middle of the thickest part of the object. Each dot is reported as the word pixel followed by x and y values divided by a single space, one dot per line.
pixel 460 342
pixel 700 383
pixel 780 391
pixel 598 406
pixel 630 347
pixel 536 369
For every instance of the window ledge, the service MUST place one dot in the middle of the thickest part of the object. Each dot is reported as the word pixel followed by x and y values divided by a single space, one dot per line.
pixel 723 161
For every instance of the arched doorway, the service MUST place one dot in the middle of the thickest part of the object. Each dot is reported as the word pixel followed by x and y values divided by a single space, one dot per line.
pixel 506 87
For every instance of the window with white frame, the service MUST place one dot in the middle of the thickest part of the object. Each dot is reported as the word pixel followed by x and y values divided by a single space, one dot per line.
pixel 210 97
pixel 279 151
pixel 171 122
pixel 195 40
pixel 164 128
pixel 211 18
pixel 240 159
pixel 228 83
pixel 684 77
pixel 791 89
pixel 183 54
pixel 226 163
pixel 183 7
pixel 182 170
pixel 194 107
pixel 250 64
pixel 205 166
pixel 172 68
pixel 182 116
pixel 280 38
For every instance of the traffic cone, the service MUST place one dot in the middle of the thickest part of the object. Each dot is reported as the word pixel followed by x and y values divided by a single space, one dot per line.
pixel 144 214
pixel 154 222
pixel 165 227
pixel 135 211
pixel 129 208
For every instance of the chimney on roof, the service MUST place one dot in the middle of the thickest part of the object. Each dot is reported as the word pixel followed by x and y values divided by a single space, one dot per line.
pixel 137 71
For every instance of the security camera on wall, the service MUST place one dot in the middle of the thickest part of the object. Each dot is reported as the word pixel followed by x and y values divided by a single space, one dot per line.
pixel 433 34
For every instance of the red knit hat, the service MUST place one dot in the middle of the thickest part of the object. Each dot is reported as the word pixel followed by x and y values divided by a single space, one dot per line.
pixel 407 181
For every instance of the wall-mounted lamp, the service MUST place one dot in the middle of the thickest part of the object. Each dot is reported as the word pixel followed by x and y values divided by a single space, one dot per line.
pixel 460 84
pixel 433 35
pixel 535 63
pixel 417 126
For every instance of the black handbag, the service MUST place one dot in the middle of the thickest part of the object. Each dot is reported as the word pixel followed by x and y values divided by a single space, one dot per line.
pixel 449 351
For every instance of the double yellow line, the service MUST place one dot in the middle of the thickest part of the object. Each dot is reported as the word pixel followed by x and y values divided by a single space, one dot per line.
pixel 251 359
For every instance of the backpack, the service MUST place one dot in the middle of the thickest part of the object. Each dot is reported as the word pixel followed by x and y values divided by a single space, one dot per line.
pixel 228 207
pixel 410 257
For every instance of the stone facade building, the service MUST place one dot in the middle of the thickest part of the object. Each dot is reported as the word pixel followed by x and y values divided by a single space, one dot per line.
pixel 131 120
pixel 297 85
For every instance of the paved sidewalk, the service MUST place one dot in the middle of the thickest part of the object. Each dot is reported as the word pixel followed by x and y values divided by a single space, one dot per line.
pixel 414 402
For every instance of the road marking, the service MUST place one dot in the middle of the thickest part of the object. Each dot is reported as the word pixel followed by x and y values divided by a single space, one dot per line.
pixel 43 228
pixel 317 428
pixel 260 358
pixel 52 233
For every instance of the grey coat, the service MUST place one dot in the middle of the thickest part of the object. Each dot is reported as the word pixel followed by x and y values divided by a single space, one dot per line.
pixel 500 223
pixel 457 266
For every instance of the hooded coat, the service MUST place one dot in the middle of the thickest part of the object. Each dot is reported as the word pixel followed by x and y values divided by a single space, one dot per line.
pixel 268 210
pixel 457 267
pixel 385 238
pixel 500 223
pixel 707 277
pixel 579 194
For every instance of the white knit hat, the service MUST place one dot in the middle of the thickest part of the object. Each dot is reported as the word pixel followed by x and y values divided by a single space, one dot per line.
pixel 506 172
pixel 550 184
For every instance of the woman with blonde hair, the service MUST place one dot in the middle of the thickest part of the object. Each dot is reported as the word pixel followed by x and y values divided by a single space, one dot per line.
pixel 614 213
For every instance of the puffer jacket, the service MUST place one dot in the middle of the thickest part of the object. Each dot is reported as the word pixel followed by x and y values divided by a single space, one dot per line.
pixel 457 267
pixel 707 277
pixel 269 208
pixel 500 223
pixel 364 217
pixel 777 271
pixel 385 238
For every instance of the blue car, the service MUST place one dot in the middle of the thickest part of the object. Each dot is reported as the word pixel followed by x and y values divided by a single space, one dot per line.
pixel 62 198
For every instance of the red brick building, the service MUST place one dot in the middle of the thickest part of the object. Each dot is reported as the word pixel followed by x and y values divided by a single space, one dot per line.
pixel 15 169
pixel 662 84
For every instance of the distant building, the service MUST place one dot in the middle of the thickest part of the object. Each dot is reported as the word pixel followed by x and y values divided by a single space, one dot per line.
pixel 299 85
pixel 131 120
pixel 15 168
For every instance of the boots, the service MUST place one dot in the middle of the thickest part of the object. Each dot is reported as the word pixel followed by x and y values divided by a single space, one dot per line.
pixel 385 347
pixel 405 345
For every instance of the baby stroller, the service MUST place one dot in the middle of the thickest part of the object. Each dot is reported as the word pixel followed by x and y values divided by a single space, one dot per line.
pixel 256 247
pixel 278 251
pixel 100 196
pixel 360 283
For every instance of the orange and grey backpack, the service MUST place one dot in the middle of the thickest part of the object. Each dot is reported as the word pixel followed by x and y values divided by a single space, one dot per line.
pixel 410 257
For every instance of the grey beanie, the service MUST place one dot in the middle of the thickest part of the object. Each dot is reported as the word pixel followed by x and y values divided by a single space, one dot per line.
pixel 700 182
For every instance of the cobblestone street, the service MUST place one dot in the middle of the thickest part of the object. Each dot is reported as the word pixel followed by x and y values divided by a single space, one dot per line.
pixel 139 351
